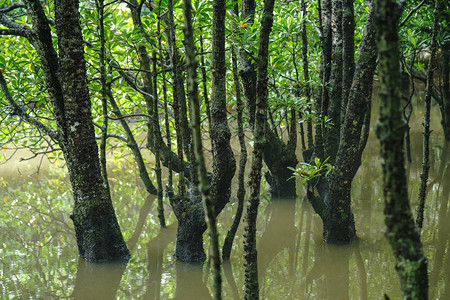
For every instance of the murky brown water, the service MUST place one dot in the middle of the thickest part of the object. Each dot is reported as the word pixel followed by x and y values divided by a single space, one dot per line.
pixel 38 254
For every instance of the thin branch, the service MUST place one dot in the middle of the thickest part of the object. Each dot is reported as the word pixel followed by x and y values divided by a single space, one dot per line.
pixel 411 13
pixel 23 114
pixel 11 8
pixel 36 154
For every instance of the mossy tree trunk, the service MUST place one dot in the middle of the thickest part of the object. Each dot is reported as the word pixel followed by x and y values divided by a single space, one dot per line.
pixel 228 243
pixel 332 132
pixel 250 252
pixel 334 203
pixel 445 109
pixel 97 231
pixel 278 155
pixel 220 135
pixel 426 119
pixel 446 89
pixel 96 227
pixel 402 233
pixel 224 162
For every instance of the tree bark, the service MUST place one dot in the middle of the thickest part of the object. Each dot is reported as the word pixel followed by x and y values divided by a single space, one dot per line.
pixel 218 113
pixel 402 234
pixel 275 148
pixel 97 231
pixel 250 252
pixel 224 163
pixel 426 119
pixel 228 243
pixel 446 90
pixel 334 203
pixel 332 133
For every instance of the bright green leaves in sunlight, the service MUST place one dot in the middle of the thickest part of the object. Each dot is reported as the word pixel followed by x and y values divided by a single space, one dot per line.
pixel 308 171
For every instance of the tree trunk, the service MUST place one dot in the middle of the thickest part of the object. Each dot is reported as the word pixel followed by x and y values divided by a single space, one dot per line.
pixel 250 252
pixel 191 226
pixel 306 71
pixel 446 90
pixel 334 205
pixel 228 243
pixel 275 148
pixel 224 163
pixel 348 51
pixel 97 231
pixel 218 99
pixel 402 234
pixel 332 133
pixel 426 121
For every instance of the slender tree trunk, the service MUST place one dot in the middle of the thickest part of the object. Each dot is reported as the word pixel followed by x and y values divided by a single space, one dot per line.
pixel 446 89
pixel 335 104
pixel 326 75
pixel 411 264
pixel 426 119
pixel 205 82
pixel 101 29
pixel 247 68
pixel 132 144
pixel 277 155
pixel 228 243
pixel 155 136
pixel 219 9
pixel 309 130
pixel 166 109
pixel 348 51
pixel 178 90
pixel 250 252
pixel 224 163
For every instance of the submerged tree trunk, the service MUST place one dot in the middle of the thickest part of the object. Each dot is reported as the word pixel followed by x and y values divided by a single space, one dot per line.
pixel 97 231
pixel 426 121
pixel 219 97
pixel 228 243
pixel 250 252
pixel 191 226
pixel 411 264
pixel 334 205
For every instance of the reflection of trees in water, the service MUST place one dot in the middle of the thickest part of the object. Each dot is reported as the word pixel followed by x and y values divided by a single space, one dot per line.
pixel 97 280
pixel 441 257
pixel 189 283
pixel 227 270
pixel 143 215
pixel 155 255
pixel 279 233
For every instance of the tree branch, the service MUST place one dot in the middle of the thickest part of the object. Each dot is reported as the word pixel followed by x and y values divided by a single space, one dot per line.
pixel 11 8
pixel 411 13
pixel 14 28
pixel 23 114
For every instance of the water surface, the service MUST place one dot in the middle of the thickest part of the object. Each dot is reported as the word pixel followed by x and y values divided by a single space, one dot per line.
pixel 38 253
